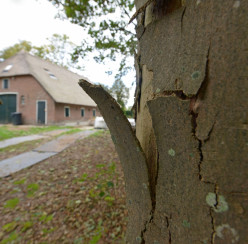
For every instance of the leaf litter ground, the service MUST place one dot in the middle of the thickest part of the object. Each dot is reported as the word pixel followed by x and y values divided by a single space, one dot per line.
pixel 76 196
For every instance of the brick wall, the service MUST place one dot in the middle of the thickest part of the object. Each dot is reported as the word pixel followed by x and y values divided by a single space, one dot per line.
pixel 29 91
pixel 75 112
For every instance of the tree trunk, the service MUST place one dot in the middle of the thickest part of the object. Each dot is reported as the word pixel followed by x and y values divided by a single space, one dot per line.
pixel 191 123
pixel 192 77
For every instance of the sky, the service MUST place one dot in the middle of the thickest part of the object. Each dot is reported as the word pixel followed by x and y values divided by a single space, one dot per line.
pixel 34 21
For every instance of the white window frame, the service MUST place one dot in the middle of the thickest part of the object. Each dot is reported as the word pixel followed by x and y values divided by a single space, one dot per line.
pixel 24 100
pixel 81 112
pixel 93 112
pixel 3 83
pixel 69 112
pixel 45 110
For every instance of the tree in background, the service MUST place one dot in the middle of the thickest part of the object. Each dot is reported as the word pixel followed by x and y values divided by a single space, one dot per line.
pixel 119 91
pixel 12 50
pixel 58 51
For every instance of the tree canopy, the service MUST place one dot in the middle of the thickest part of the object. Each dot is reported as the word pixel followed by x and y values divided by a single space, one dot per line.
pixel 119 91
pixel 58 50
pixel 12 50
pixel 106 23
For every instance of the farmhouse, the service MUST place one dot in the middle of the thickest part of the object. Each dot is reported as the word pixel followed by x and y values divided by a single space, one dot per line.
pixel 43 92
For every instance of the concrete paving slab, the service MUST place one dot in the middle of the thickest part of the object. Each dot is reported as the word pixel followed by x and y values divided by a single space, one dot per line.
pixel 24 160
pixel 17 140
pixel 62 142
pixel 54 132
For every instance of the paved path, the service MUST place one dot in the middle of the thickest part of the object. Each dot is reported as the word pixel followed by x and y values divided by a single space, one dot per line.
pixel 24 160
pixel 17 140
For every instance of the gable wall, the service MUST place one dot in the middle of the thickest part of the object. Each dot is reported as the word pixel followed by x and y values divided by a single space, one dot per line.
pixel 32 91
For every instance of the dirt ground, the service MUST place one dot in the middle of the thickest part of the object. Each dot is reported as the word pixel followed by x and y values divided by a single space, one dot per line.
pixel 76 196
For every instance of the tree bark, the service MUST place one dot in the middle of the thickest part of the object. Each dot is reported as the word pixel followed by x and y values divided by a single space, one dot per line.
pixel 192 123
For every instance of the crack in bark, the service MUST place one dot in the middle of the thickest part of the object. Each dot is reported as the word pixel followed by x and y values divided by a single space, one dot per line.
pixel 201 91
pixel 210 131
pixel 177 93
pixel 146 226
pixel 200 95
pixel 168 227
pixel 199 148
pixel 213 225
pixel 183 13
pixel 153 198
pixel 156 182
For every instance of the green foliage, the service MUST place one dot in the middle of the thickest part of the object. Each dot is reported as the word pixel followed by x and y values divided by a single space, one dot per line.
pixel 10 226
pixel 10 239
pixel 106 23
pixel 19 182
pixel 46 231
pixel 27 225
pixel 12 203
pixel 45 218
pixel 97 235
pixel 128 113
pixel 58 51
pixel 97 133
pixel 119 91
pixel 72 131
pixel 32 188
pixel 83 177
pixel 110 184
pixel 11 51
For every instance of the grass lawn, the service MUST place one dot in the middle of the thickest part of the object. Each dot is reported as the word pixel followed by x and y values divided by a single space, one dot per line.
pixel 76 196
pixel 7 132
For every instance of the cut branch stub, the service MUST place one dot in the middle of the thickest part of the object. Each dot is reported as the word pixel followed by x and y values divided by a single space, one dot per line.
pixel 132 159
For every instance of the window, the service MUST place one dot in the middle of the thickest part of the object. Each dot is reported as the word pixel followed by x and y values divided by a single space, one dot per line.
pixel 53 76
pixel 5 84
pixel 7 68
pixel 94 113
pixel 82 112
pixel 50 74
pixel 22 100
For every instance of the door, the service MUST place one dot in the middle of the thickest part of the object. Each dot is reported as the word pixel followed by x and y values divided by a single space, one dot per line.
pixel 7 107
pixel 41 112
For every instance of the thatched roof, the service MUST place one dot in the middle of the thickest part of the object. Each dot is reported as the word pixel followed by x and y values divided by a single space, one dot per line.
pixel 60 83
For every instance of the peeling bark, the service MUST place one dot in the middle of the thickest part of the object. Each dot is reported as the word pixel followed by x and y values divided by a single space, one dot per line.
pixel 177 182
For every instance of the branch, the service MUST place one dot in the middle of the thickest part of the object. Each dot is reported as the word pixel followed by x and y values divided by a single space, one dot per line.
pixel 140 10
pixel 132 158
pixel 124 30
pixel 124 9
